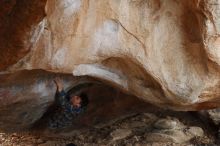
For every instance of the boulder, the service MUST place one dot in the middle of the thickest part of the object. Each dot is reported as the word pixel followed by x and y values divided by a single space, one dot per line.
pixel 164 52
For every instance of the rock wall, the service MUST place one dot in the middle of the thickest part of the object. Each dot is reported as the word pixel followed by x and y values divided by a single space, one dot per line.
pixel 27 100
pixel 18 19
pixel 164 52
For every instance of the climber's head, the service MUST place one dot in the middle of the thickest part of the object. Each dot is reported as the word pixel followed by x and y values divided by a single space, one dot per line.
pixel 80 100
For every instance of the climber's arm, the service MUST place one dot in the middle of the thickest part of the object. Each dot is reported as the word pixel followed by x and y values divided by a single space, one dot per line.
pixel 60 96
pixel 61 99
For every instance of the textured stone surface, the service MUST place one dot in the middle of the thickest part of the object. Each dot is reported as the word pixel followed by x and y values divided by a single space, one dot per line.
pixel 196 131
pixel 164 52
pixel 167 131
pixel 215 115
pixel 120 134
pixel 114 133
pixel 18 19
pixel 165 124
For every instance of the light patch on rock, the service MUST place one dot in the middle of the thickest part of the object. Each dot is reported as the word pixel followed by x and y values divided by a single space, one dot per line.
pixel 59 57
pixel 214 114
pixel 99 71
pixel 37 32
pixel 70 6
pixel 165 124
pixel 120 133
pixel 214 49
pixel 40 88
pixel 196 131
pixel 106 38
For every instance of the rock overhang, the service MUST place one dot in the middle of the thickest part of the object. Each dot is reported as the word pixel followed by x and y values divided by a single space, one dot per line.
pixel 165 53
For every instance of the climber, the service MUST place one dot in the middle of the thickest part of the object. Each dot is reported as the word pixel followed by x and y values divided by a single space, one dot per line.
pixel 69 106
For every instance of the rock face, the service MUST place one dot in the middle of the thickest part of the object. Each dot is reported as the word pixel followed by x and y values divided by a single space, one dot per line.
pixel 18 19
pixel 165 52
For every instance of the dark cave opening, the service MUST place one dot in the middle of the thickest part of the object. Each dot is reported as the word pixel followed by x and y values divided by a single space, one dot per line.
pixel 106 103
pixel 29 98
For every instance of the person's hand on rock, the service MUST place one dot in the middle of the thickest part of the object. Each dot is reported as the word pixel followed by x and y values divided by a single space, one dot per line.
pixel 59 84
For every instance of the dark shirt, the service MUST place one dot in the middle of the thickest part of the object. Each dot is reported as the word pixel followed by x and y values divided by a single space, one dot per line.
pixel 66 112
